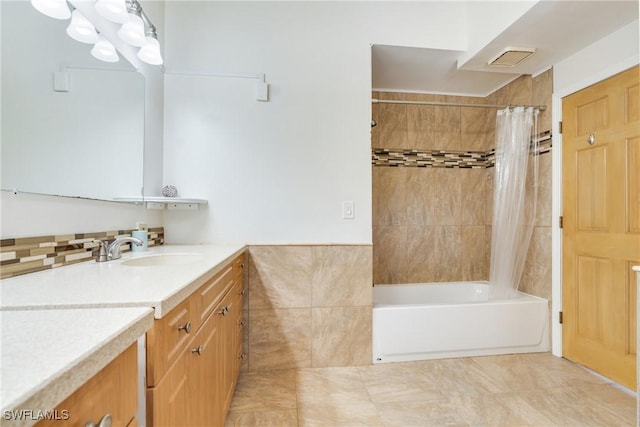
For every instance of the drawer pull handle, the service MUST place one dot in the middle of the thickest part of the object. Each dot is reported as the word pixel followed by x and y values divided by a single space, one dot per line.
pixel 186 327
pixel 197 350
pixel 104 422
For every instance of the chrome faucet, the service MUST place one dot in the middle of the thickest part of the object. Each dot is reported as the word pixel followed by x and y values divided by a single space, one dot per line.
pixel 112 251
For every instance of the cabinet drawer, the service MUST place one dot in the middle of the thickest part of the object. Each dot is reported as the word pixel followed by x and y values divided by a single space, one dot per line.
pixel 238 266
pixel 211 293
pixel 168 337
pixel 111 391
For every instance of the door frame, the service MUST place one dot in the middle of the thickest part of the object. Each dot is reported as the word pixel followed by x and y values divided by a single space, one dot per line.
pixel 556 191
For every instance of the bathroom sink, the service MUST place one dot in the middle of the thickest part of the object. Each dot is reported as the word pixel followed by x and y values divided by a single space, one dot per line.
pixel 162 259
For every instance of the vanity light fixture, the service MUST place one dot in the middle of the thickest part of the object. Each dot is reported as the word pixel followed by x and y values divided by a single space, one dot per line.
pixel 57 9
pixel 113 10
pixel 104 50
pixel 150 52
pixel 136 30
pixel 81 29
pixel 132 31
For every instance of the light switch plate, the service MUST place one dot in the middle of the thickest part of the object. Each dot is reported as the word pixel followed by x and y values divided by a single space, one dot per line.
pixel 348 211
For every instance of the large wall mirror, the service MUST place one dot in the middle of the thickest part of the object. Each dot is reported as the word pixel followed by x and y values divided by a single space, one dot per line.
pixel 86 140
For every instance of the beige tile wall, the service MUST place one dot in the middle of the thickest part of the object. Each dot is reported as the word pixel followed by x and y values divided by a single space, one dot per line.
pixel 429 223
pixel 308 306
pixel 433 224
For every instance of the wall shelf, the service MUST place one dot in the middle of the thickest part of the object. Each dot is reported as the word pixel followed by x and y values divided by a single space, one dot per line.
pixel 159 202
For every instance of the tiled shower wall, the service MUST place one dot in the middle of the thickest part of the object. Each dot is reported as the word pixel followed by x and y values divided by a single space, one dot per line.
pixel 430 224
pixel 308 306
pixel 434 224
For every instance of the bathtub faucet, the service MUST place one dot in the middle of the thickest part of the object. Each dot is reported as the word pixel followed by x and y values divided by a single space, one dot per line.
pixel 112 251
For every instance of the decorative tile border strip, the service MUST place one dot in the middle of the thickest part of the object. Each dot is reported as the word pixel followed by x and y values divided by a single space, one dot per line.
pixel 434 159
pixel 446 159
pixel 30 254
pixel 545 142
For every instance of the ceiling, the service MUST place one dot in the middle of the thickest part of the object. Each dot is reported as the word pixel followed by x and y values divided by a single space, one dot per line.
pixel 557 29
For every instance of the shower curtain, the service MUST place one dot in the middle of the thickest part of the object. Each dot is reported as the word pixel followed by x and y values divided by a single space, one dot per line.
pixel 514 198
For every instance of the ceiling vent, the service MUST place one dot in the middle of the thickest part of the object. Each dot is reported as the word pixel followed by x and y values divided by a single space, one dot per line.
pixel 511 56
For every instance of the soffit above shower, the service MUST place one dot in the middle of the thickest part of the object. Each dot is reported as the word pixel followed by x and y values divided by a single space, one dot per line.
pixel 556 29
pixel 411 69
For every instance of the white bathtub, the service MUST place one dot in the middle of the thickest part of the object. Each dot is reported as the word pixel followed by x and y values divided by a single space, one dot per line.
pixel 436 321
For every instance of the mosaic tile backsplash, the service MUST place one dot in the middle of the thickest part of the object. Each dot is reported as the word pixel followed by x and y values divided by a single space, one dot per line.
pixel 30 254
pixel 446 159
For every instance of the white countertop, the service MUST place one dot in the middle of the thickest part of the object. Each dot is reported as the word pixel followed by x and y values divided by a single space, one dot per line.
pixel 47 354
pixel 59 327
pixel 110 284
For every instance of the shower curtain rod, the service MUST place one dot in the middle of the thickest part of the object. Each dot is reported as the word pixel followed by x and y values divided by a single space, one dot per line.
pixel 453 104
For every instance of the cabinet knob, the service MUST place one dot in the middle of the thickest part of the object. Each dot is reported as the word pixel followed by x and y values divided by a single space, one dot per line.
pixel 242 265
pixel 186 327
pixel 224 310
pixel 241 292
pixel 197 350
pixel 240 323
pixel 104 422
pixel 242 356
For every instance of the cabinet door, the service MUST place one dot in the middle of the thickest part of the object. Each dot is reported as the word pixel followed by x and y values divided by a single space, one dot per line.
pixel 205 373
pixel 169 403
pixel 230 313
pixel 237 326
pixel 111 391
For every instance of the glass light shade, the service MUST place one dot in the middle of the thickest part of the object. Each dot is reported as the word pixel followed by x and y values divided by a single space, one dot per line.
pixel 150 52
pixel 57 9
pixel 113 10
pixel 81 29
pixel 132 31
pixel 104 50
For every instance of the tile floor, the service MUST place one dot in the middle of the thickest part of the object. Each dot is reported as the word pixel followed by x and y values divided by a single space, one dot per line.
pixel 513 390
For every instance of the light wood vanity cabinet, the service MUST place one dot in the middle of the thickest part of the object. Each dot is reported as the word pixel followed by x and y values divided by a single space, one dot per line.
pixel 111 391
pixel 192 371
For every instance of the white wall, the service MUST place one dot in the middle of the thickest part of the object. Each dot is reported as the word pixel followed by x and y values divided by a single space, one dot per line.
pixel 608 56
pixel 278 172
pixel 488 19
pixel 593 61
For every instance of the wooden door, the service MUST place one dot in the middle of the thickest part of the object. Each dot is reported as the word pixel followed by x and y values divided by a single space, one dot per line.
pixel 601 233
